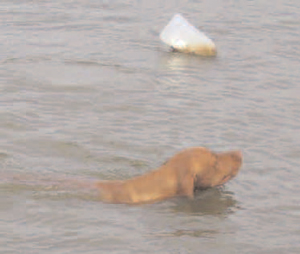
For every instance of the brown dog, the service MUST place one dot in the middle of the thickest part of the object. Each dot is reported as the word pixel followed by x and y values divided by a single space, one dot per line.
pixel 187 171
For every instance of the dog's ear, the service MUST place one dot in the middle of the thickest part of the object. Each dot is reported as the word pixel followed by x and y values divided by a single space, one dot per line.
pixel 187 186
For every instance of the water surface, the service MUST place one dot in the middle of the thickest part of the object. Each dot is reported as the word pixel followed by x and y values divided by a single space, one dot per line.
pixel 88 91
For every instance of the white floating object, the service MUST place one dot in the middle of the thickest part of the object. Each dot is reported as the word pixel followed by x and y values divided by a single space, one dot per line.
pixel 181 36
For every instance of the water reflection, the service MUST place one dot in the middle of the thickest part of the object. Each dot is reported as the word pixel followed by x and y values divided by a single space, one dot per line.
pixel 215 201
pixel 192 233
pixel 176 61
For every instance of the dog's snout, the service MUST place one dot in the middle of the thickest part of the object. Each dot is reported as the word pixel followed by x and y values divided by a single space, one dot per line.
pixel 238 156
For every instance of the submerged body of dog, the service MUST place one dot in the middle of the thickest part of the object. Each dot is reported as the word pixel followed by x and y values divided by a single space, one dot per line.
pixel 187 171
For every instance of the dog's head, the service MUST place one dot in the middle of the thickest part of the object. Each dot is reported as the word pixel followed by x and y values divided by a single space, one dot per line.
pixel 217 169
pixel 200 168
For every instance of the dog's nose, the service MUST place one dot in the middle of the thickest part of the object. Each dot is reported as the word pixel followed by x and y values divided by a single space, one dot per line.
pixel 239 156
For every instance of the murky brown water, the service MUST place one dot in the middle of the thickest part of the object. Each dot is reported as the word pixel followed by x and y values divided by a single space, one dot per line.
pixel 88 91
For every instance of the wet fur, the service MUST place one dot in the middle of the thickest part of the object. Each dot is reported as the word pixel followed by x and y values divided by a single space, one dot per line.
pixel 189 170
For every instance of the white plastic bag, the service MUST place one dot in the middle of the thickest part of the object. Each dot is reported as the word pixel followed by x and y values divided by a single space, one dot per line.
pixel 181 36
